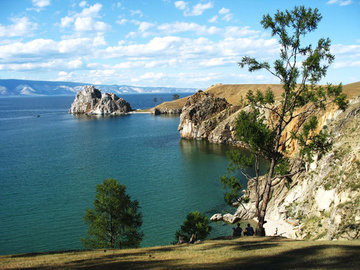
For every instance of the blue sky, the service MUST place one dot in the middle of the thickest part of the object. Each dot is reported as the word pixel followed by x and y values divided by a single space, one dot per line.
pixel 161 42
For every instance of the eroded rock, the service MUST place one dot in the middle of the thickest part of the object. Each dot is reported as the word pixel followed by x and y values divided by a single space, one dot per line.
pixel 90 101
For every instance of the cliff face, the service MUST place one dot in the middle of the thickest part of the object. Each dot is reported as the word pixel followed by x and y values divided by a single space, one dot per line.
pixel 90 101
pixel 205 117
pixel 324 201
pixel 321 203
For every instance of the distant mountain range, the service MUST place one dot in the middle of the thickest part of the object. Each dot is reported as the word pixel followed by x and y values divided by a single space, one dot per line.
pixel 48 88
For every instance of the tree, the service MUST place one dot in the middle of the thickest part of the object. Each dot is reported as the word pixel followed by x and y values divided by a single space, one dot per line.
pixel 176 96
pixel 195 223
pixel 155 100
pixel 114 222
pixel 299 69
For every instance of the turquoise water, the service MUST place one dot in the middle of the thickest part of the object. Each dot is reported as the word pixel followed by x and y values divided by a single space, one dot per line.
pixel 50 165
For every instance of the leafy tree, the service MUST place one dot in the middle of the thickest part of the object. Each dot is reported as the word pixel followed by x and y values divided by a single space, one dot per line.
pixel 299 69
pixel 114 222
pixel 195 223
pixel 176 96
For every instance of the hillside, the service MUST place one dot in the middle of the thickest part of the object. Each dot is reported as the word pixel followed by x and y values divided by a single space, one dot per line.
pixel 233 93
pixel 52 88
pixel 241 253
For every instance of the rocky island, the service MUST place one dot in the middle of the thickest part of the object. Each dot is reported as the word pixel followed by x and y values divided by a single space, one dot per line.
pixel 90 101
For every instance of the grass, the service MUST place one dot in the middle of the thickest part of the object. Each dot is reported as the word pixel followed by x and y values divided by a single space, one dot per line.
pixel 234 93
pixel 241 253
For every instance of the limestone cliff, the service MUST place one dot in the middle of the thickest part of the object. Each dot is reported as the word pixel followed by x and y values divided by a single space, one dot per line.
pixel 90 101
pixel 324 201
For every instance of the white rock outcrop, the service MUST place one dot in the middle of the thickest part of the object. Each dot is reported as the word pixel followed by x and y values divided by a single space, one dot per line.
pixel 90 101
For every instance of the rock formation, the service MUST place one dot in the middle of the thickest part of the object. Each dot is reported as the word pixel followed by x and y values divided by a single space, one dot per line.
pixel 324 201
pixel 165 110
pixel 205 117
pixel 90 101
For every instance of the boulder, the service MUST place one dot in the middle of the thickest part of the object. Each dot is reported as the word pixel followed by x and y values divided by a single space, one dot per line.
pixel 216 217
pixel 90 101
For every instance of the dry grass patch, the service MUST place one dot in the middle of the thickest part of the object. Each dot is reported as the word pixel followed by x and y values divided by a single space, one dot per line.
pixel 234 93
pixel 242 253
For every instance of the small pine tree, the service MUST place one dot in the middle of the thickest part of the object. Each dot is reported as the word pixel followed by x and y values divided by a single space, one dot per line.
pixel 114 222
pixel 195 223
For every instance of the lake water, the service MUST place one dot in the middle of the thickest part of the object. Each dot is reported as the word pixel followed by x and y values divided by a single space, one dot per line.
pixel 50 165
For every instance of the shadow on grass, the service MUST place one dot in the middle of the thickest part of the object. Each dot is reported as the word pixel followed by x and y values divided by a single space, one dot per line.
pixel 35 254
pixel 269 255
pixel 345 257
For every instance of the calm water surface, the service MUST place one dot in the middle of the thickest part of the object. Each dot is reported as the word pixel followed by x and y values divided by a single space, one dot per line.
pixel 50 165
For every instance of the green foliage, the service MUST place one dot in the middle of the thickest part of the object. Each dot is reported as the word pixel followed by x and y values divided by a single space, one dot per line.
pixel 252 130
pixel 114 222
pixel 233 188
pixel 195 223
pixel 176 96
pixel 269 96
pixel 282 166
pixel 313 144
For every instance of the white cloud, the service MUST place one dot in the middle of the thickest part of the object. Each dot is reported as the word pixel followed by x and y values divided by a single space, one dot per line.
pixel 122 21
pixel 136 12
pixel 346 64
pixel 83 4
pixel 235 31
pixel 340 2
pixel 85 21
pixel 227 17
pixel 74 64
pixel 65 76
pixel 224 11
pixel 92 11
pixel 156 46
pixel 152 76
pixel 20 27
pixel 66 21
pixel 40 3
pixel 198 9
pixel 177 27
pixel 213 19
pixel 180 5
pixel 347 50
pixel 42 50
pixel 143 26
pixel 192 51
pixel 216 62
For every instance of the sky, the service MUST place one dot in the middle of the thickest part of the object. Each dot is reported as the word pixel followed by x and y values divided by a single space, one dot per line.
pixel 161 42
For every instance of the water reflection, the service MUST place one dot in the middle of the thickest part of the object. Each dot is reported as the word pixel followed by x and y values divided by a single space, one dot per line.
pixel 190 148
pixel 193 151
pixel 86 117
